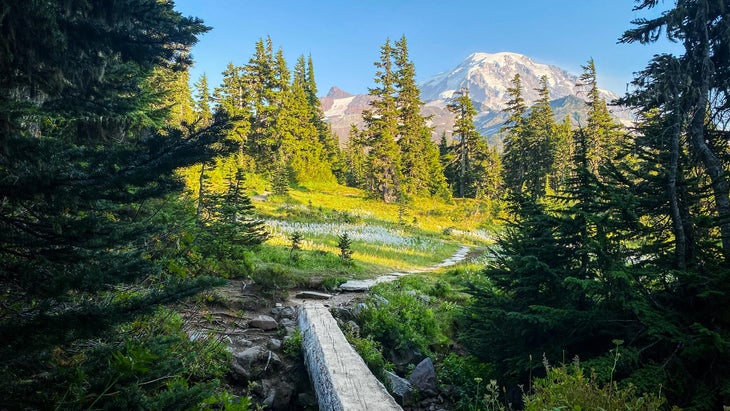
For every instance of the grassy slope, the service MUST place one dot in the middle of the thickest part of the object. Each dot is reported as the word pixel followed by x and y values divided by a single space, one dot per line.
pixel 385 237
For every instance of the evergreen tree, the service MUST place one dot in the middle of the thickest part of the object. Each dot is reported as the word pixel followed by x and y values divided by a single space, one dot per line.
pixel 84 173
pixel 301 147
pixel 470 156
pixel 327 137
pixel 682 181
pixel 701 27
pixel 233 97
pixel 229 228
pixel 356 174
pixel 203 101
pixel 539 142
pixel 422 171
pixel 564 149
pixel 514 168
pixel 263 76
pixel 175 98
pixel 384 177
pixel 603 134
pixel 531 142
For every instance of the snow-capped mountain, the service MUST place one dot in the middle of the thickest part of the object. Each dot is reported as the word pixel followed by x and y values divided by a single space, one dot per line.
pixel 487 77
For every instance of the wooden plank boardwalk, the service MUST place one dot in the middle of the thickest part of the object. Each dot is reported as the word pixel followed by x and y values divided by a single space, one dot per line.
pixel 339 376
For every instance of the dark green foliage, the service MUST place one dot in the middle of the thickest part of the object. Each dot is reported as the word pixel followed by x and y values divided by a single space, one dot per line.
pixel 296 245
pixel 85 171
pixel 401 320
pixel 150 363
pixel 356 174
pixel 422 171
pixel 370 351
pixel 467 376
pixel 293 345
pixel 384 176
pixel 631 246
pixel 684 89
pixel 202 101
pixel 531 142
pixel 472 168
pixel 228 229
pixel 273 278
pixel 277 120
pixel 604 135
pixel 345 245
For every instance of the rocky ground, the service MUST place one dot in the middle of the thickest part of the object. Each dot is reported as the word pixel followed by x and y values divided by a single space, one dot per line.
pixel 255 326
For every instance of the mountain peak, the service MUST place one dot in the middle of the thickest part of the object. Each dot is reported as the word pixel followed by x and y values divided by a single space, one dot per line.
pixel 491 58
pixel 487 76
pixel 335 92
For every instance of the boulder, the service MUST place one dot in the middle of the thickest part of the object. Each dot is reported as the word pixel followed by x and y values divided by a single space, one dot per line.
pixel 284 312
pixel 423 377
pixel 278 393
pixel 263 322
pixel 403 358
pixel 344 314
pixel 274 344
pixel 254 361
pixel 402 390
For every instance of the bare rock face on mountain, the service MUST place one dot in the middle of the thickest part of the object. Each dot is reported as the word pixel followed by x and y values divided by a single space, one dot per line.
pixel 341 109
pixel 487 77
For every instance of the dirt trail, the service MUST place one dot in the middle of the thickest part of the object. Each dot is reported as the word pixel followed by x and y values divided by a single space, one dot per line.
pixel 353 291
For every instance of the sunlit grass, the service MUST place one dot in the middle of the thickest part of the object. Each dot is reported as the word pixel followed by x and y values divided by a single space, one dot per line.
pixel 371 244
pixel 460 216
pixel 385 237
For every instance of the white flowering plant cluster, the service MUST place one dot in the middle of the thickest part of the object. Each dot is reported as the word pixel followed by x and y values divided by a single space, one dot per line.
pixel 371 234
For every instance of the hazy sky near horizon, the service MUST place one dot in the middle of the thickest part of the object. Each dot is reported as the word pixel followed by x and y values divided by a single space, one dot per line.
pixel 344 37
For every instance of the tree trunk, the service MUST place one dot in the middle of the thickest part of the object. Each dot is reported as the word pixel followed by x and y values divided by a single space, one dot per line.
pixel 680 239
pixel 201 192
pixel 713 165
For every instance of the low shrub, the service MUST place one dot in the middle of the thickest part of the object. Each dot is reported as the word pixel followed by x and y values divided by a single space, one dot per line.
pixel 370 351
pixel 567 387
pixel 401 320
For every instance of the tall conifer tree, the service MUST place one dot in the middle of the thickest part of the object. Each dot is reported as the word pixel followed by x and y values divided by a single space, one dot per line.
pixel 514 168
pixel 422 172
pixel 602 132
pixel 384 179
pixel 469 153
pixel 82 186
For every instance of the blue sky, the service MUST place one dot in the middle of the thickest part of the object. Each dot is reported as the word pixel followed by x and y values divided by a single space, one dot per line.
pixel 344 36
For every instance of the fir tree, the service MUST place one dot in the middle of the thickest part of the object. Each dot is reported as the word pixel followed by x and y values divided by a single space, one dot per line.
pixel 327 137
pixel 202 101
pixel 229 227
pixel 603 134
pixel 700 26
pixel 84 173
pixel 469 154
pixel 262 76
pixel 381 129
pixel 356 172
pixel 422 171
pixel 515 169
pixel 301 145
pixel 539 143
pixel 233 97
pixel 175 97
